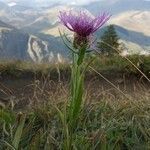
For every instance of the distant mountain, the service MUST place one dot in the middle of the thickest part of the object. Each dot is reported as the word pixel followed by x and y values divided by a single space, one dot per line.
pixel 5 25
pixel 134 42
pixel 133 20
pixel 31 32
pixel 17 15
pixel 20 7
pixel 118 6
pixel 15 44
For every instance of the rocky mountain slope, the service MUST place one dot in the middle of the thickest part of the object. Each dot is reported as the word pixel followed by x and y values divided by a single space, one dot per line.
pixel 134 42
pixel 36 28
pixel 118 6
pixel 15 44
pixel 134 20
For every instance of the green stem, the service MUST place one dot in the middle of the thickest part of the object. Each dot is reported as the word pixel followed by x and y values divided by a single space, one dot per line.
pixel 77 83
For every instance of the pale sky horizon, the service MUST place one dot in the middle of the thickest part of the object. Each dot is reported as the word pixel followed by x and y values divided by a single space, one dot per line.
pixel 76 2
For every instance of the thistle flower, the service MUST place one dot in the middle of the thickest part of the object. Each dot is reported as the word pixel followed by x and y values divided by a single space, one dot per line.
pixel 82 24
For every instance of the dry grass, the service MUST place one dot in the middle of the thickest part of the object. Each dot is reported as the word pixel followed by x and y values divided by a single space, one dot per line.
pixel 109 120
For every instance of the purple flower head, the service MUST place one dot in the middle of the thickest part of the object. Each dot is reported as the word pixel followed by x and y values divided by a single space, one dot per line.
pixel 81 23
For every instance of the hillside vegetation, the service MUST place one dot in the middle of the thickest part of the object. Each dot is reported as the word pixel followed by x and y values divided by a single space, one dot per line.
pixel 104 64
pixel 110 119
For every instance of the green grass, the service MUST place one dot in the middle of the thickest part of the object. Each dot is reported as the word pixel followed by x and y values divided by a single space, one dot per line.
pixel 106 124
pixel 117 63
pixel 18 68
pixel 110 122
pixel 101 63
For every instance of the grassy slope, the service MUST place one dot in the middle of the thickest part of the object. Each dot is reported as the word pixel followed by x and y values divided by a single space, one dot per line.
pixel 101 63
pixel 107 124
pixel 111 122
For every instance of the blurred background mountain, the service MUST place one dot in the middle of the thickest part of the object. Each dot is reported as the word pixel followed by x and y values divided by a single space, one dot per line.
pixel 29 29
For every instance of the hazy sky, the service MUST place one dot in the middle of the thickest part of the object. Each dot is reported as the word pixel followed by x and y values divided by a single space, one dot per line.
pixel 74 1
pixel 79 2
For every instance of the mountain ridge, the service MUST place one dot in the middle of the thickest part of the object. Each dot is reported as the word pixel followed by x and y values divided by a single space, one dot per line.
pixel 41 25
pixel 41 47
pixel 118 6
pixel 16 44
